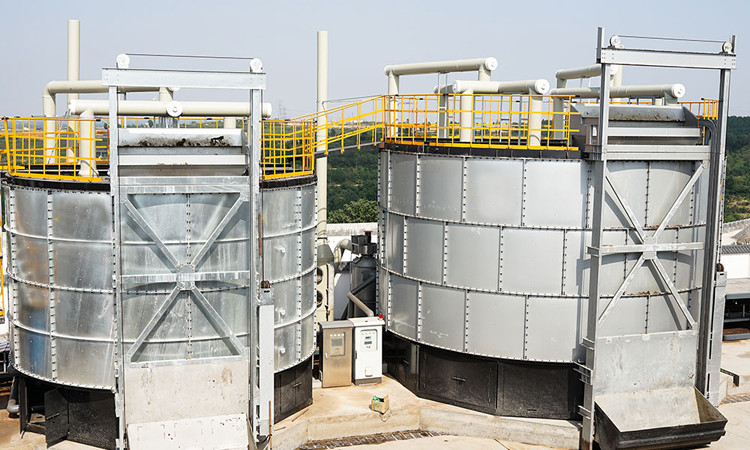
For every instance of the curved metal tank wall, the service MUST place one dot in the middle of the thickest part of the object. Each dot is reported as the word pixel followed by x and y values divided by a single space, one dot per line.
pixel 487 255
pixel 289 233
pixel 62 269
pixel 61 283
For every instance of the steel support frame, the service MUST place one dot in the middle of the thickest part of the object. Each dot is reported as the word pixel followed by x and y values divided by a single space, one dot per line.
pixel 260 353
pixel 648 245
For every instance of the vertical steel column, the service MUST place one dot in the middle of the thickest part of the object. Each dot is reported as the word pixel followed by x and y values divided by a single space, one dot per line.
pixel 713 228
pixel 599 172
pixel 114 190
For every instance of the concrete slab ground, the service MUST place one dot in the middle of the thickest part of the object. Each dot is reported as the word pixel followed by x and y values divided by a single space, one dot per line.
pixel 735 358
pixel 341 412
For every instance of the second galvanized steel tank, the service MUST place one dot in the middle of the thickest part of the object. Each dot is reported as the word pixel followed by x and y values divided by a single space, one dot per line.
pixel 487 255
pixel 289 233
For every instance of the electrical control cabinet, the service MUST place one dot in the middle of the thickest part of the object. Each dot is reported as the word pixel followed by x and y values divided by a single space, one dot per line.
pixel 368 349
pixel 336 359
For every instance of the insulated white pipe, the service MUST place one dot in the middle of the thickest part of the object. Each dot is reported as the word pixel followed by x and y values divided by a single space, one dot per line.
pixel 466 103
pixel 230 123
pixel 74 53
pixel 87 145
pixel 670 92
pixel 563 75
pixel 320 137
pixel 484 66
pixel 160 108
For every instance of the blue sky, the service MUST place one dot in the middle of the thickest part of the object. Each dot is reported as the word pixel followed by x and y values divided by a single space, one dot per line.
pixel 531 39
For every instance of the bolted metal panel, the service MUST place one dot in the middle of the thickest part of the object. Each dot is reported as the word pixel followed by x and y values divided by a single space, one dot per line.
pixel 83 265
pixel 403 313
pixel 33 261
pixel 30 211
pixel 403 183
pixel 525 233
pixel 425 250
pixel 289 264
pixel 532 261
pixel 667 179
pixel 555 193
pixel 631 177
pixel 94 208
pixel 628 316
pixel 493 191
pixel 496 325
pixel 663 316
pixel 472 256
pixel 394 253
pixel 562 315
pixel 439 309
pixel 440 187
pixel 64 334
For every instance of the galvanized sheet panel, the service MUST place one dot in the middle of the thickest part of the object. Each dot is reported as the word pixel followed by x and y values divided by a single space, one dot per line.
pixel 628 316
pixel 286 301
pixel 85 314
pixel 33 260
pixel 631 179
pixel 666 181
pixel 555 193
pixel 493 191
pixel 562 315
pixel 440 310
pixel 424 250
pixel 33 306
pixel 30 211
pixel 383 171
pixel 496 325
pixel 33 353
pixel 473 256
pixel 285 346
pixel 440 189
pixel 82 265
pixel 85 362
pixel 532 261
pixel 403 183
pixel 403 317
pixel 70 207
pixel 394 256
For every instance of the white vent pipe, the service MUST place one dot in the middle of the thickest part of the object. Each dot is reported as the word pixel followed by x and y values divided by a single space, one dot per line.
pixel 161 108
pixel 466 103
pixel 321 165
pixel 484 66
pixel 74 53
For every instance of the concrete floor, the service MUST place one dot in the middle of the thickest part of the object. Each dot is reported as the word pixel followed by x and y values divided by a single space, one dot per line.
pixel 344 412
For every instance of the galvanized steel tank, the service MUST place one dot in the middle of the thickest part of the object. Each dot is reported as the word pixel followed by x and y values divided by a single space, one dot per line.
pixel 62 263
pixel 486 255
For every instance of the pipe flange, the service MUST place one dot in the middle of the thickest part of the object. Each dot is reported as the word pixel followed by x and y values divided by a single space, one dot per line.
pixel 174 109
pixel 122 61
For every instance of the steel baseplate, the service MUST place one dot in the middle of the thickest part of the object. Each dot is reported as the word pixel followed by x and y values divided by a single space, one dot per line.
pixel 218 432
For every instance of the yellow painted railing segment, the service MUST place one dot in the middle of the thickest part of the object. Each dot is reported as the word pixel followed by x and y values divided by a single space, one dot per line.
pixel 288 148
pixel 53 147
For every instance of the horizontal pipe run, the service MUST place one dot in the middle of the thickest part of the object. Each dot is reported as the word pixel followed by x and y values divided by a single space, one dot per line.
pixel 669 91
pixel 160 108
pixel 459 65
pixel 539 86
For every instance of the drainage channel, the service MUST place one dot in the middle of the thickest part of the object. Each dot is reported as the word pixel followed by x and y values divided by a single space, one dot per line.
pixel 369 439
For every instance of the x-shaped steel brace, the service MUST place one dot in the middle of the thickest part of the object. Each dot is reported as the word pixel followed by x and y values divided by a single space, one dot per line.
pixel 648 246
pixel 216 321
